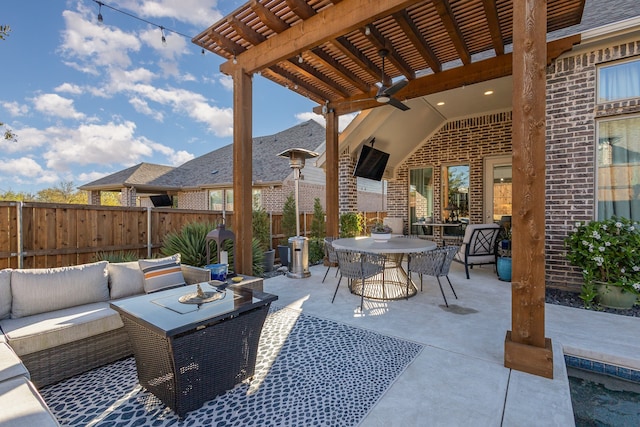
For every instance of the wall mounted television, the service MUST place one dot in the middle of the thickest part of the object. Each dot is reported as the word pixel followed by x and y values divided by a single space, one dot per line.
pixel 371 163
pixel 161 200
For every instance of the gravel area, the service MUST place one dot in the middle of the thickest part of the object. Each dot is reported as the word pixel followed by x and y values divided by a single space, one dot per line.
pixel 572 299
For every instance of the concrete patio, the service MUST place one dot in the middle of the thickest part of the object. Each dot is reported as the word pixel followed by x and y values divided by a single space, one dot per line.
pixel 459 377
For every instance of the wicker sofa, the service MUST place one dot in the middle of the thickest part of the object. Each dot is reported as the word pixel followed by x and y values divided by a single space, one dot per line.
pixel 56 323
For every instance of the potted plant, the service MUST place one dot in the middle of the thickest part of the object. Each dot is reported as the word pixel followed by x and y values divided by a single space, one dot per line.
pixel 608 252
pixel 503 252
pixel 380 231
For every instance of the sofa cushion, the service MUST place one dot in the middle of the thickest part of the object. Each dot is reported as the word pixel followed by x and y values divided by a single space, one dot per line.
pixel 125 279
pixel 161 273
pixel 10 364
pixel 40 290
pixel 46 330
pixel 22 405
pixel 5 293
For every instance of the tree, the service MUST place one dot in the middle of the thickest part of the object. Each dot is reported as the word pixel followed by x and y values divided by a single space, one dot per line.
pixel 288 224
pixel 318 224
pixel 64 192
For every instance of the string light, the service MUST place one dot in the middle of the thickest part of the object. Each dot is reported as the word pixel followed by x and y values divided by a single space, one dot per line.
pixel 162 28
pixel 300 60
pixel 99 12
pixel 235 60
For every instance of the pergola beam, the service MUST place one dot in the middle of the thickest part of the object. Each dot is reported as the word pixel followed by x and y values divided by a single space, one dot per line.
pixel 413 34
pixel 269 18
pixel 330 23
pixel 452 27
pixel 380 42
pixel 352 52
pixel 326 59
pixel 494 25
pixel 311 73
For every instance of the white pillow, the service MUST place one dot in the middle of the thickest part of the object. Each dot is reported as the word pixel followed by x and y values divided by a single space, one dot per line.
pixel 5 293
pixel 125 279
pixel 161 273
pixel 40 290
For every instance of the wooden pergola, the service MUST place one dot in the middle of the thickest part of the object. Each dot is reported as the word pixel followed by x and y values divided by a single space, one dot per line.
pixel 329 51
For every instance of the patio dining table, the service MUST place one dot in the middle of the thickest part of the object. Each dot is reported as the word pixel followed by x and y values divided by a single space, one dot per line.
pixel 393 283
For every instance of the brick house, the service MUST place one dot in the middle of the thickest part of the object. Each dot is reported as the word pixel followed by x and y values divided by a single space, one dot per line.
pixel 204 183
pixel 592 141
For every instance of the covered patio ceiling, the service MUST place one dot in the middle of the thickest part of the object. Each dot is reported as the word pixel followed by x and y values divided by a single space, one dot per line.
pixel 328 50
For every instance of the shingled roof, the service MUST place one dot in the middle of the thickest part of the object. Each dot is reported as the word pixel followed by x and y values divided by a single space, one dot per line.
pixel 215 169
pixel 140 175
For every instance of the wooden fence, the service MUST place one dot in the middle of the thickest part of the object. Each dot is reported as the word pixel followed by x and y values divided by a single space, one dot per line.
pixel 38 235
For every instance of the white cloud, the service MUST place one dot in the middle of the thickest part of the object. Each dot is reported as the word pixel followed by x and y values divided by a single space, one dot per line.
pixel 181 157
pixel 96 45
pixel 69 88
pixel 54 105
pixel 226 82
pixel 200 13
pixel 142 107
pixel 26 170
pixel 15 109
pixel 343 121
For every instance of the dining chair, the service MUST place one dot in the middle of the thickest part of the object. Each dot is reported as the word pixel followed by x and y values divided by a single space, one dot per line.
pixel 330 255
pixel 359 266
pixel 434 263
pixel 478 246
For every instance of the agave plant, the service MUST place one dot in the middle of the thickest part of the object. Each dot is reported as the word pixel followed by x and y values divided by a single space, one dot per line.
pixel 121 256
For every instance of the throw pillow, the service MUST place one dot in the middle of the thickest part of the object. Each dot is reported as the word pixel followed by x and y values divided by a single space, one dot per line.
pixel 125 279
pixel 40 290
pixel 161 273
pixel 5 293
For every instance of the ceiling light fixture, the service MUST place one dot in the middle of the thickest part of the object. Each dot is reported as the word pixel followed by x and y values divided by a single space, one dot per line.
pixel 99 13
pixel 440 103
pixel 300 60
pixel 367 31
pixel 235 60
pixel 489 92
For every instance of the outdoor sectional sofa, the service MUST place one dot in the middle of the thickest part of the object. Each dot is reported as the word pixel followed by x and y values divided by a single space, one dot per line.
pixel 56 323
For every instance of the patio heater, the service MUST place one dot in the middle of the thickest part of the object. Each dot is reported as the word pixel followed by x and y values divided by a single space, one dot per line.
pixel 298 245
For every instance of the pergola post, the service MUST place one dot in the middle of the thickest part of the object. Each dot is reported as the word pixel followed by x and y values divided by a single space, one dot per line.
pixel 332 227
pixel 242 169
pixel 526 348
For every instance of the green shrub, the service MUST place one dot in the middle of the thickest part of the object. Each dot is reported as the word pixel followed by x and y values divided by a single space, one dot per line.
pixel 190 243
pixel 316 250
pixel 288 224
pixel 318 224
pixel 261 231
pixel 121 256
pixel 350 224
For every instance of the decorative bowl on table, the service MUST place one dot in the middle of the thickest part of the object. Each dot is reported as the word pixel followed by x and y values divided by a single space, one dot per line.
pixel 381 237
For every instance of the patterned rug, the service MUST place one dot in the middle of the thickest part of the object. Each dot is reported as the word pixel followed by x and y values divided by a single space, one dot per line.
pixel 309 372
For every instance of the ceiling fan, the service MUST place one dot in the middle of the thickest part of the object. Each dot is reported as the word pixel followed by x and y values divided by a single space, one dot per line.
pixel 385 94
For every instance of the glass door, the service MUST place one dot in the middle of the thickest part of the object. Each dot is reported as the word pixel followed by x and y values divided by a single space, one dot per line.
pixel 498 188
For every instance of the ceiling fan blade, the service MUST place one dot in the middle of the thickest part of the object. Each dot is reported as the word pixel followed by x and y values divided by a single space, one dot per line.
pixel 397 86
pixel 398 104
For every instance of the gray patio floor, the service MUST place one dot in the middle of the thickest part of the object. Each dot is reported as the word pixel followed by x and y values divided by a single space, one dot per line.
pixel 459 378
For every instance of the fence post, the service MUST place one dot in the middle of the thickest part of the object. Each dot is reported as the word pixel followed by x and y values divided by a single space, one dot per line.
pixel 20 236
pixel 149 232
pixel 270 230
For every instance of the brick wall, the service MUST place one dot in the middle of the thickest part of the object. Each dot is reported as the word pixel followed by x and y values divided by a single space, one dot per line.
pixel 571 145
pixel 347 184
pixel 474 138
pixel 197 200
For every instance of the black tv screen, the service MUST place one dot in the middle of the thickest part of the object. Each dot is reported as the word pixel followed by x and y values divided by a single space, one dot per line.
pixel 371 163
pixel 161 200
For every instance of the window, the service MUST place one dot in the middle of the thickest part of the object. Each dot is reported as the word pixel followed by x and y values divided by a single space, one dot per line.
pixel 421 198
pixel 619 81
pixel 455 192
pixel 618 157
pixel 215 200
pixel 229 199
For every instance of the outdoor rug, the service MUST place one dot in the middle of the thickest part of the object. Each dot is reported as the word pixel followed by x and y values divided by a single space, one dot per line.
pixel 309 372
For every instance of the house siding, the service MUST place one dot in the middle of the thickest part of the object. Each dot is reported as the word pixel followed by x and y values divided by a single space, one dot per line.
pixel 475 139
pixel 572 113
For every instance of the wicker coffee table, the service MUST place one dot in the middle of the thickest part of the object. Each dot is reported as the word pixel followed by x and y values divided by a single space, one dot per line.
pixel 187 354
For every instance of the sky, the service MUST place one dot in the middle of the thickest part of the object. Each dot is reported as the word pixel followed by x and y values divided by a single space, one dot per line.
pixel 87 99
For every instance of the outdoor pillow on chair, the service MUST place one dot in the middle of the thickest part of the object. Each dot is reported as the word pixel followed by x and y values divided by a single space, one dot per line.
pixel 161 273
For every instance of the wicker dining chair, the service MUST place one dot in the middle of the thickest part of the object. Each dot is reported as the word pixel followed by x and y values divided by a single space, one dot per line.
pixel 330 255
pixel 359 266
pixel 433 263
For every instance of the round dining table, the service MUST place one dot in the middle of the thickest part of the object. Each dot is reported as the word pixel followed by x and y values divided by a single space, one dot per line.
pixel 393 283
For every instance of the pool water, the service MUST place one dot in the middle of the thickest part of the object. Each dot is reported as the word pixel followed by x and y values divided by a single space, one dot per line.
pixel 602 400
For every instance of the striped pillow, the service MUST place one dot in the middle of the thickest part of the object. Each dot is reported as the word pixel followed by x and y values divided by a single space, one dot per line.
pixel 161 273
